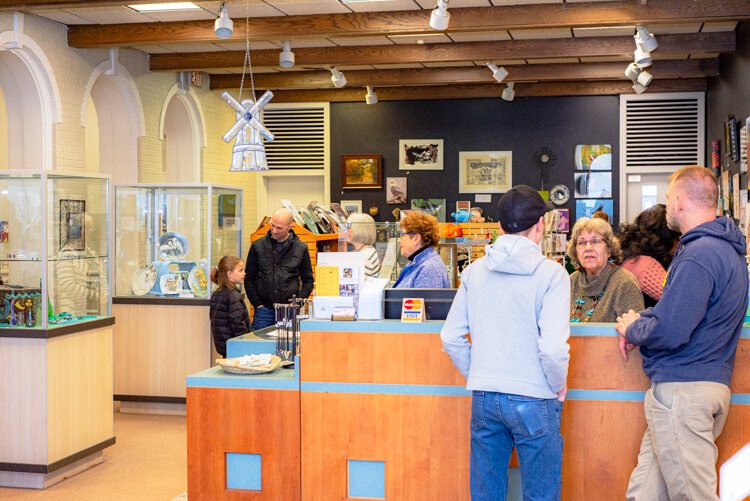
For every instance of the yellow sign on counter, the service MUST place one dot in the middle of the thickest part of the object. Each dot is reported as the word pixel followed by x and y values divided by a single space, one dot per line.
pixel 412 309
pixel 327 280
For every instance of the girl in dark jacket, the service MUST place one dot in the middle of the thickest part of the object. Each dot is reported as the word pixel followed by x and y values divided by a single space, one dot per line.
pixel 228 313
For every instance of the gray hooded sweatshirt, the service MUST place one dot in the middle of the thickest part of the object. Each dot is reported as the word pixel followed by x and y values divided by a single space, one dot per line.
pixel 515 304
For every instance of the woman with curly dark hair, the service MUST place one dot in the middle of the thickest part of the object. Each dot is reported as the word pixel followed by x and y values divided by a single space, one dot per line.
pixel 647 247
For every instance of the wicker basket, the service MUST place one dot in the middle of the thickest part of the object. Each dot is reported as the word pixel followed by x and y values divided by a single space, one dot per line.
pixel 233 366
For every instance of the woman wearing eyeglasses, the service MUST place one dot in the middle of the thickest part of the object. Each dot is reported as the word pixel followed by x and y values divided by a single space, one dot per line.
pixel 419 237
pixel 600 289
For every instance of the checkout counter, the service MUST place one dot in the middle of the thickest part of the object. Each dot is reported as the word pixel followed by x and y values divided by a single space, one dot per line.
pixel 376 410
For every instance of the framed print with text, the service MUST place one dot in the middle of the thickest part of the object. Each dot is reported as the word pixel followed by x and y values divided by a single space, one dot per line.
pixel 485 171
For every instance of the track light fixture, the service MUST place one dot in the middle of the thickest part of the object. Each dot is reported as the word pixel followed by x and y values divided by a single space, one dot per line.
pixel 641 78
pixel 498 72
pixel 440 16
pixel 223 26
pixel 638 88
pixel 371 97
pixel 286 56
pixel 508 93
pixel 338 78
pixel 642 58
pixel 645 40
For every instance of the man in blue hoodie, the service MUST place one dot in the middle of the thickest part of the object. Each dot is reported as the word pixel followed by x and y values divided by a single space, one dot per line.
pixel 688 341
pixel 514 303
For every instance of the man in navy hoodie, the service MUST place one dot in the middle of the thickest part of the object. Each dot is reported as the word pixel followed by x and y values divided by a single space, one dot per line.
pixel 688 342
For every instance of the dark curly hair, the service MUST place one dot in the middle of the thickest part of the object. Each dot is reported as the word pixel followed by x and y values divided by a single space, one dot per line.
pixel 649 235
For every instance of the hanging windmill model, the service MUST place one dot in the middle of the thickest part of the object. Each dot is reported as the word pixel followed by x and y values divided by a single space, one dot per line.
pixel 248 153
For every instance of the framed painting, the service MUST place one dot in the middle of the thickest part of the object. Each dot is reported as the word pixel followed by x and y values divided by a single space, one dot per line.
pixel 396 191
pixel 351 206
pixel 593 157
pixel 485 171
pixel 361 171
pixel 420 154
pixel 72 222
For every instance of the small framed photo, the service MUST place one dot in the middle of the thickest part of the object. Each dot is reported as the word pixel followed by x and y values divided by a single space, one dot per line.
pixel 361 171
pixel 420 154
pixel 593 184
pixel 485 171
pixel 72 225
pixel 351 206
pixel 593 157
pixel 395 190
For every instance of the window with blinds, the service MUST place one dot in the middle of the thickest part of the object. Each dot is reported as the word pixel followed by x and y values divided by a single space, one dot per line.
pixel 301 132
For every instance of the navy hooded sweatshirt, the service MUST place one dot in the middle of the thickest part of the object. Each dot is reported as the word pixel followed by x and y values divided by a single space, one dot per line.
pixel 691 334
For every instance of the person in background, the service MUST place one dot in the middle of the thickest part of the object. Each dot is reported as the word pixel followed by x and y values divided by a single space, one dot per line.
pixel 600 290
pixel 362 238
pixel 227 312
pixel 420 235
pixel 688 343
pixel 648 245
pixel 513 302
pixel 600 214
pixel 278 268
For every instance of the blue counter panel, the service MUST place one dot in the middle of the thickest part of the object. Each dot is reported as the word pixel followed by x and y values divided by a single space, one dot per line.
pixel 429 326
pixel 280 379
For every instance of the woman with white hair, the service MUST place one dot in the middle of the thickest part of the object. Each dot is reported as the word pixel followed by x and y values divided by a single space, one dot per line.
pixel 362 236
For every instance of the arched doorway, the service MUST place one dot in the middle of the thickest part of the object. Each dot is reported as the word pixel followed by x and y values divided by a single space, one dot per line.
pixel 182 131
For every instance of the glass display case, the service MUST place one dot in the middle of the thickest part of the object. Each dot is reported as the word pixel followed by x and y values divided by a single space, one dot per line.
pixel 54 249
pixel 167 238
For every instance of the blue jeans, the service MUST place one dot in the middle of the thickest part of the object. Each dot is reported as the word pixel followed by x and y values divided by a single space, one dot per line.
pixel 498 422
pixel 263 317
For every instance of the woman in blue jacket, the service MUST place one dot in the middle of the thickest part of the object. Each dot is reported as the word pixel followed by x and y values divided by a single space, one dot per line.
pixel 420 235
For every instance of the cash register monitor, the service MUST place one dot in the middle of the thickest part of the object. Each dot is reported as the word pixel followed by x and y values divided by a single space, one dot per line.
pixel 437 302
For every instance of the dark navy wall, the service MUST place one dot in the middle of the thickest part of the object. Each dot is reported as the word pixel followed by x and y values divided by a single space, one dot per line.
pixel 522 126
pixel 729 94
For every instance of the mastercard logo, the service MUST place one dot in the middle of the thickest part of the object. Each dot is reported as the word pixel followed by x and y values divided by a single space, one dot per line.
pixel 413 304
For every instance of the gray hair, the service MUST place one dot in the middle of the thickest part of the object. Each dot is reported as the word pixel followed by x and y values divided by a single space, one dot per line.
pixel 594 225
pixel 362 228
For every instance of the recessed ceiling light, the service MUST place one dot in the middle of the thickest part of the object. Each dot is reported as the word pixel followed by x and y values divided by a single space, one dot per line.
pixel 163 7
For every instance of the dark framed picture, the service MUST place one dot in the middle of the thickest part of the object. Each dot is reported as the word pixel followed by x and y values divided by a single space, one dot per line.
pixel 227 210
pixel 361 171
pixel 734 139
pixel 72 225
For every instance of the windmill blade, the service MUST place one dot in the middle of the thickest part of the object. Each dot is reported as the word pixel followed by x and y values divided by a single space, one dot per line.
pixel 267 134
pixel 236 128
pixel 236 106
pixel 260 103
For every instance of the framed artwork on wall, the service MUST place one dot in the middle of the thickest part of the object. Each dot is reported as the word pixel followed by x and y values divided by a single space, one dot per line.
pixel 485 171
pixel 593 157
pixel 395 192
pixel 433 206
pixel 361 171
pixel 585 208
pixel 420 154
pixel 72 225
pixel 734 139
pixel 351 206
pixel 593 185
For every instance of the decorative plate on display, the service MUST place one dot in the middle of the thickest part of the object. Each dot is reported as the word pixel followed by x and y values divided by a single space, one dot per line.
pixel 171 283
pixel 143 280
pixel 173 246
pixel 559 194
pixel 198 281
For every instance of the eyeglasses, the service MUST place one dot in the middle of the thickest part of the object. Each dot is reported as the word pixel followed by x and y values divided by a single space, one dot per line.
pixel 595 242
pixel 404 233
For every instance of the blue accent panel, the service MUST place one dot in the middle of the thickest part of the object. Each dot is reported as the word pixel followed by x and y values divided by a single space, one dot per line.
pixel 622 395
pixel 386 389
pixel 593 329
pixel 427 327
pixel 243 471
pixel 515 489
pixel 241 347
pixel 740 399
pixel 366 479
pixel 280 379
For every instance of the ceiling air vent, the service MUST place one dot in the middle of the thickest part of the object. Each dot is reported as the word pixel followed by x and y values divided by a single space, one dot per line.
pixel 663 131
pixel 301 132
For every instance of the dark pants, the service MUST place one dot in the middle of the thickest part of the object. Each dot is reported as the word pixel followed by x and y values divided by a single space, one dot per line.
pixel 262 318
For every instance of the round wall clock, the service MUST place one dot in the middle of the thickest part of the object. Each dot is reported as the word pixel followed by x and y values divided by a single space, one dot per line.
pixel 559 194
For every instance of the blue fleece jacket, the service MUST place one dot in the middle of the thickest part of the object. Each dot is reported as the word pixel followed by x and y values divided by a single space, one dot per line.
pixel 425 270
pixel 691 334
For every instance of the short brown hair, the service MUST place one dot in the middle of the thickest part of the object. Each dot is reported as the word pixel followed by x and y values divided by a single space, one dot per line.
pixel 593 225
pixel 424 225
pixel 698 183
pixel 220 272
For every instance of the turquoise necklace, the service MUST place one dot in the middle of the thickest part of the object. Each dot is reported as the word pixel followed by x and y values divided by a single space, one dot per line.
pixel 578 309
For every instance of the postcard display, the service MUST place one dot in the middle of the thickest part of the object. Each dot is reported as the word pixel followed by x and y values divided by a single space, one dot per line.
pixel 167 238
pixel 58 276
pixel 56 328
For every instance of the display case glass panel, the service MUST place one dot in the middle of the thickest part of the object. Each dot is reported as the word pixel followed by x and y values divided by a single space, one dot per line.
pixel 61 275
pixel 168 237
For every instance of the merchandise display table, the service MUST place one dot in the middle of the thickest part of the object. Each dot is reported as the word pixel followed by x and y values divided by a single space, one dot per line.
pixel 382 413
pixel 56 395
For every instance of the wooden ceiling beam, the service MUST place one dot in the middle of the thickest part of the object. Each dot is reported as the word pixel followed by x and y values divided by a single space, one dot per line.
pixel 695 68
pixel 693 43
pixel 486 91
pixel 414 22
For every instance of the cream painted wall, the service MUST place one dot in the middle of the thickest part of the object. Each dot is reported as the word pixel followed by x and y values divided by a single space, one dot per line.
pixel 72 69
pixel 91 137
pixel 3 132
